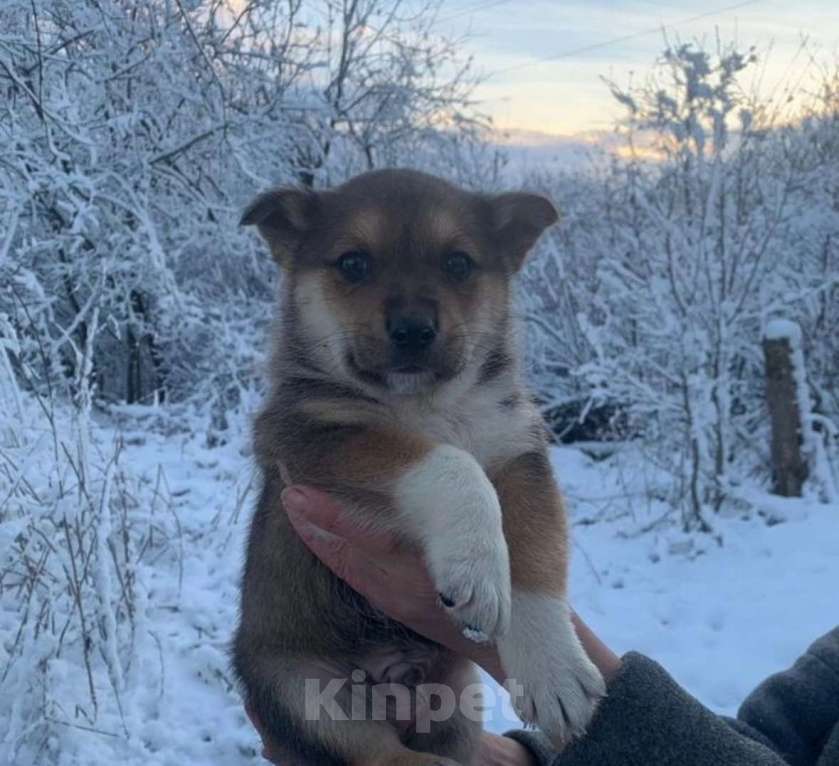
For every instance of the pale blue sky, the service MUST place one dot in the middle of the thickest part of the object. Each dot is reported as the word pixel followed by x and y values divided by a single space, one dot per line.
pixel 566 96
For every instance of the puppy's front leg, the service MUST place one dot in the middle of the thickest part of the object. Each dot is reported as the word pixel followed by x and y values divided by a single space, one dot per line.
pixel 552 682
pixel 448 502
pixel 438 497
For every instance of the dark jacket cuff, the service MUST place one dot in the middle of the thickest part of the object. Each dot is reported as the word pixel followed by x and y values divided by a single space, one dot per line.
pixel 798 709
pixel 647 719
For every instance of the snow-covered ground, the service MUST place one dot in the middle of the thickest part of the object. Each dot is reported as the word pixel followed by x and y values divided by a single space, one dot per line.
pixel 719 613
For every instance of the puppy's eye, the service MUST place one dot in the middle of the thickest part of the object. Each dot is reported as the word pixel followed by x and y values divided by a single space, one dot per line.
pixel 458 266
pixel 354 266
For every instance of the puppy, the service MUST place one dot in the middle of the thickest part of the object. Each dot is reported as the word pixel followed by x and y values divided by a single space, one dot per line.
pixel 396 387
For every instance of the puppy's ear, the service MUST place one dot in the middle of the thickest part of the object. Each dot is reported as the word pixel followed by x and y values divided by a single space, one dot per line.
pixel 519 218
pixel 283 217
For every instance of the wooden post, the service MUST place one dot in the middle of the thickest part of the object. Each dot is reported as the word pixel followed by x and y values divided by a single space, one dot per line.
pixel 789 468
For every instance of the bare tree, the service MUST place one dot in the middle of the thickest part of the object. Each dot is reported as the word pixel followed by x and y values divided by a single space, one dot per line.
pixel 136 130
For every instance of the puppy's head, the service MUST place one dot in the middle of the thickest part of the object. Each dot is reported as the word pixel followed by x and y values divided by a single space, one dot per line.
pixel 398 279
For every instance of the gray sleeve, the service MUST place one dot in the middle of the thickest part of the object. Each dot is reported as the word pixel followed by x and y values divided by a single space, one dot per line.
pixel 798 709
pixel 647 718
pixel 830 753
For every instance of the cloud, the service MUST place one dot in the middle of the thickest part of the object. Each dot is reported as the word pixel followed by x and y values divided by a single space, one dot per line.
pixel 567 95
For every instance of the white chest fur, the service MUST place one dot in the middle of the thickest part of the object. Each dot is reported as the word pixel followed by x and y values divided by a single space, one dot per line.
pixel 476 422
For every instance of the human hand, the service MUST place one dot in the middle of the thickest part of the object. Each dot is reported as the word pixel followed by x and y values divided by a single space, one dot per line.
pixel 503 751
pixel 493 750
pixel 398 582
pixel 394 580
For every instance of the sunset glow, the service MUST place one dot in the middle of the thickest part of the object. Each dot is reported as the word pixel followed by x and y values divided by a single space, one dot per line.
pixel 545 60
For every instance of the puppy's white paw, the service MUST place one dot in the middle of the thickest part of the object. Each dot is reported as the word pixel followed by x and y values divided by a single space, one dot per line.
pixel 552 682
pixel 453 510
pixel 474 588
pixel 561 700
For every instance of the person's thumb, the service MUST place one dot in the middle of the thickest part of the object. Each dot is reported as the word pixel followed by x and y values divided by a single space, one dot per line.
pixel 313 524
pixel 315 513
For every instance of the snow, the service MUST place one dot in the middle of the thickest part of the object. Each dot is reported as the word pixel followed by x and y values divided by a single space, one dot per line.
pixel 121 536
pixel 720 613
pixel 778 329
pixel 719 617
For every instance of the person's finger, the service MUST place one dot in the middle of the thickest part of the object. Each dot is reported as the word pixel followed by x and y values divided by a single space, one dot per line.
pixel 322 511
pixel 607 662
pixel 350 563
pixel 502 751
pixel 366 576
pixel 328 547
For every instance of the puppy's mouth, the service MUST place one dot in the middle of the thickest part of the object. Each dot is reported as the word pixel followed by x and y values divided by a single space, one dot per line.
pixel 411 379
pixel 401 379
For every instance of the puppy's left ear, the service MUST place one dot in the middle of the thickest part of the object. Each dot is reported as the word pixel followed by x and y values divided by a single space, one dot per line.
pixel 519 218
pixel 283 217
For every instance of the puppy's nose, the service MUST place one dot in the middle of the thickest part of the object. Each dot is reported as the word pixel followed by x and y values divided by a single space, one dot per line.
pixel 411 333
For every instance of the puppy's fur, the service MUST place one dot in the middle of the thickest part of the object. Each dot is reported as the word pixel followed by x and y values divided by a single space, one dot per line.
pixel 434 439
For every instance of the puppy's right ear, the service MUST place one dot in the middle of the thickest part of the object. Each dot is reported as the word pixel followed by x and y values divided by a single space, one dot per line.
pixel 283 217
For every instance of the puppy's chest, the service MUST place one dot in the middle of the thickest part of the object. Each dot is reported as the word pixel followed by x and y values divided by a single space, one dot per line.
pixel 489 432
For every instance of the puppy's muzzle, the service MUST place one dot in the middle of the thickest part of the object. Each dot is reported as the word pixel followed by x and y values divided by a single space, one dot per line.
pixel 412 333
pixel 411 336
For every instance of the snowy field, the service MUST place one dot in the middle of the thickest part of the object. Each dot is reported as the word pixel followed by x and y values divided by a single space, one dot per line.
pixel 694 240
pixel 720 613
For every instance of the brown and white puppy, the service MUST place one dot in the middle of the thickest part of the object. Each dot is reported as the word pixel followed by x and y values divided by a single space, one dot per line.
pixel 396 387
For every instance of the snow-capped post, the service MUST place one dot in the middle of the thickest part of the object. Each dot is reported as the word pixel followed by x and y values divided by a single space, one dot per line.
pixel 789 406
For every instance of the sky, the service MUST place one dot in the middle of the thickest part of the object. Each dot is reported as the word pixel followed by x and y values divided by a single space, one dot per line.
pixel 586 40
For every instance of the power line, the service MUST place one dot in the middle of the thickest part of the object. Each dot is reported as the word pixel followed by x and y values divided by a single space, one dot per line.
pixel 477 7
pixel 623 38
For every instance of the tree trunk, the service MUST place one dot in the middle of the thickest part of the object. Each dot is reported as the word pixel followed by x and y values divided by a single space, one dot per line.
pixel 789 468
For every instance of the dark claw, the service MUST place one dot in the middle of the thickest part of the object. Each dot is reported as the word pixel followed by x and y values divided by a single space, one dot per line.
pixel 446 601
pixel 564 712
pixel 584 691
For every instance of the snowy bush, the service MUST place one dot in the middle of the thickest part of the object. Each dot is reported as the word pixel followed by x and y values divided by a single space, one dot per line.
pixel 73 531
pixel 134 132
pixel 719 215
